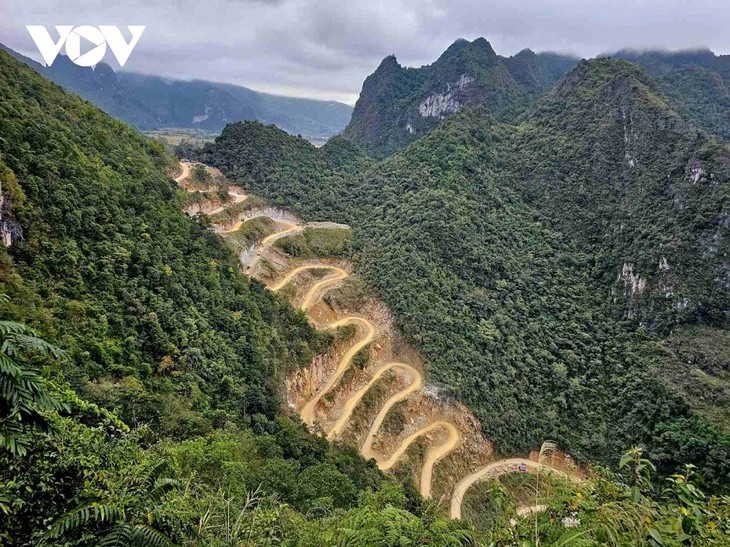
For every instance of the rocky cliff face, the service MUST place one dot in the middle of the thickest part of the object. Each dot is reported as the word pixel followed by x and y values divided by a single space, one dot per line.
pixel 639 185
pixel 10 196
pixel 398 104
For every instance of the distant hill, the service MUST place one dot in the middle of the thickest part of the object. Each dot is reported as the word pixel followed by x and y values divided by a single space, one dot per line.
pixel 697 83
pixel 150 102
pixel 566 275
pixel 397 105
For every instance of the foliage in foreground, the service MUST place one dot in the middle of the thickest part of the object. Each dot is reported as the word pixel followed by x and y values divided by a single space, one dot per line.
pixel 88 482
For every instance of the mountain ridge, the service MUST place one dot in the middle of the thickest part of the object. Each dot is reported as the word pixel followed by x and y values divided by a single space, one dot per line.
pixel 522 235
pixel 162 331
pixel 152 102
pixel 696 81
pixel 397 105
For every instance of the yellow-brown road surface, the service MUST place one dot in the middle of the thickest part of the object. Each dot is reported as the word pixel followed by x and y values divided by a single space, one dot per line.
pixel 435 453
pixel 494 469
pixel 267 242
pixel 351 403
pixel 185 171
pixel 416 382
pixel 237 198
pixel 317 289
pixel 307 412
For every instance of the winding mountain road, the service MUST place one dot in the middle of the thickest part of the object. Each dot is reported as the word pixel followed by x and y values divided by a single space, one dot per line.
pixel 356 397
pixel 493 470
pixel 237 198
pixel 313 293
pixel 307 413
pixel 266 243
pixel 410 373
pixel 185 171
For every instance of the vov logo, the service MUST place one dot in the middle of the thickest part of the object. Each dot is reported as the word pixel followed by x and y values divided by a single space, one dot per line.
pixel 100 37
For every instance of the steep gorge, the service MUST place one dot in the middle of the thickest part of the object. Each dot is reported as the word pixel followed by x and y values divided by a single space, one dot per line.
pixel 539 262
pixel 452 434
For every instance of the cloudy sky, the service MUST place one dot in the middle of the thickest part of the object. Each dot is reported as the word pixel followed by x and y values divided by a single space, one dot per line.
pixel 325 48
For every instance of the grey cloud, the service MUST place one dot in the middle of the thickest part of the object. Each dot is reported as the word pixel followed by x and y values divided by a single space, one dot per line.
pixel 326 48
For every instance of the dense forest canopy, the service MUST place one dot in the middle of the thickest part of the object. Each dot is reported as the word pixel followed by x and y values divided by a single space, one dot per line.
pixel 697 82
pixel 173 362
pixel 537 265
pixel 142 373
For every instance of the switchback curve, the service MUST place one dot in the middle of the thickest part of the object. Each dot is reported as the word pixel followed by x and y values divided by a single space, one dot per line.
pixel 307 413
pixel 492 470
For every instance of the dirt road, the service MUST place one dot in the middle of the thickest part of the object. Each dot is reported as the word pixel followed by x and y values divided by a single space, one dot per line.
pixel 307 413
pixel 185 171
pixel 356 397
pixel 492 470
pixel 237 198
pixel 412 375
pixel 316 291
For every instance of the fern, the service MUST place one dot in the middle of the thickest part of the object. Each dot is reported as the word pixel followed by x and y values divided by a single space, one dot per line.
pixel 126 535
pixel 83 516
pixel 23 393
pixel 127 520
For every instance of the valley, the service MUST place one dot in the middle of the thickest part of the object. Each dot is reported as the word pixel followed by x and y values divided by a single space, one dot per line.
pixel 428 418
pixel 502 294
pixel 182 110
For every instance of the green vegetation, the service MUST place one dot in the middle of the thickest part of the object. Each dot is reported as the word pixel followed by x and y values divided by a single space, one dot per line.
pixel 657 218
pixel 696 82
pixel 361 358
pixel 393 108
pixel 703 96
pixel 498 247
pixel 24 397
pixel 199 174
pixel 310 180
pixel 162 420
pixel 696 363
pixel 250 232
pixel 629 507
pixel 156 320
pixel 316 242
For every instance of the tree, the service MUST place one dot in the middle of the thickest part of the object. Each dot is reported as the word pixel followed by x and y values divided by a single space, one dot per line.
pixel 199 173
pixel 126 515
pixel 23 393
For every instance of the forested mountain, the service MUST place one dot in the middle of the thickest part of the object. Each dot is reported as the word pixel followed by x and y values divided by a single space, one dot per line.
pixel 697 83
pixel 528 262
pixel 538 266
pixel 150 102
pixel 167 416
pixel 397 105
pixel 636 185
pixel 313 181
